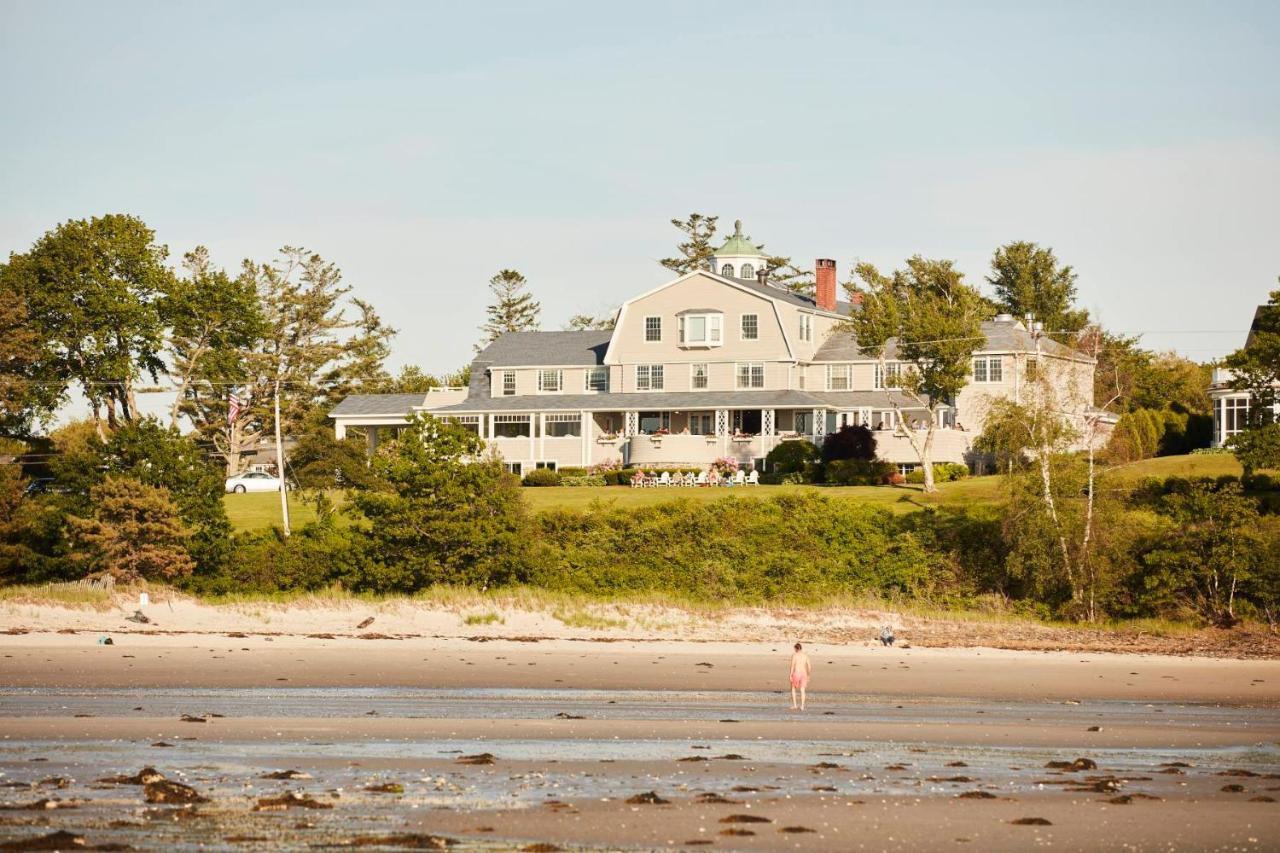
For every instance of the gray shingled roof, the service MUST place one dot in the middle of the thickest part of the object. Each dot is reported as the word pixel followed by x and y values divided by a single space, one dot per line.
pixel 378 404
pixel 552 349
pixel 785 295
pixel 1000 337
pixel 677 400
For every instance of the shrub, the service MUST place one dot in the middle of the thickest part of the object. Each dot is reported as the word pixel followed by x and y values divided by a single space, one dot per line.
pixel 947 472
pixel 584 480
pixel 790 457
pixel 541 477
pixel 135 533
pixel 857 472
pixel 572 471
pixel 849 442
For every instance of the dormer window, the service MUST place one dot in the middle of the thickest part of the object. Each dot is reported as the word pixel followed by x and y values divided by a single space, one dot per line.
pixel 748 271
pixel 726 269
pixel 701 329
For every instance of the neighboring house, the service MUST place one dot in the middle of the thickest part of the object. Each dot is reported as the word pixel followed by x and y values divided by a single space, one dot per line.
pixel 1231 406
pixel 715 363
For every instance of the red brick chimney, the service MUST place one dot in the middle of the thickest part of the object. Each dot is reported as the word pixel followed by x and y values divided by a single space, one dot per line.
pixel 826 289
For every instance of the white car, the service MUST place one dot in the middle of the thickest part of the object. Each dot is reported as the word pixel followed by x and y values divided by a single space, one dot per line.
pixel 253 481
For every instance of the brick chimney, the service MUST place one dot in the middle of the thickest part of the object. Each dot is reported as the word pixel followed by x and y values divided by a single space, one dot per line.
pixel 826 289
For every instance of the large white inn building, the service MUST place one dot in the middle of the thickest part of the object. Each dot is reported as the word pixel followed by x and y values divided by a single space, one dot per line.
pixel 713 363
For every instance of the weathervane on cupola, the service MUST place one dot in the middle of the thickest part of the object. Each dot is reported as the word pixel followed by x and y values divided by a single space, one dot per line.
pixel 738 257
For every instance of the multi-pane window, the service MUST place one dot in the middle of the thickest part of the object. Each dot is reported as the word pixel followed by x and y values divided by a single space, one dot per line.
pixel 563 425
pixel 651 422
pixel 649 377
pixel 1235 415
pixel 512 426
pixel 806 327
pixel 508 383
pixel 1033 368
pixel 988 369
pixel 550 380
pixel 726 270
pixel 597 379
pixel 839 377
pixel 887 375
pixel 750 327
pixel 751 375
pixel 697 376
pixel 748 271
pixel 701 330
pixel 653 328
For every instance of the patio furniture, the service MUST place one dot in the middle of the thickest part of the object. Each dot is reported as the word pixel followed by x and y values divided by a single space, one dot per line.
pixel 739 478
pixel 753 479
pixel 702 478
pixel 665 479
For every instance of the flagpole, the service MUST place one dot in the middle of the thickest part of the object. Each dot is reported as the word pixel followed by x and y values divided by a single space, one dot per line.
pixel 284 495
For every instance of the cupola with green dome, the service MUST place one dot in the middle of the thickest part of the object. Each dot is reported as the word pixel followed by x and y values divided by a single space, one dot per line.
pixel 738 257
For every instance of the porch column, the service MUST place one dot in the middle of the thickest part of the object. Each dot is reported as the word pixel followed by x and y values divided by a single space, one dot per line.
pixel 631 423
pixel 819 425
pixel 372 433
pixel 585 428
pixel 339 430
pixel 768 429
pixel 533 436
pixel 489 419
pixel 542 435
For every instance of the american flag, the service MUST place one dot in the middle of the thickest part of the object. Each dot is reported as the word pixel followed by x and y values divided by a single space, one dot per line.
pixel 233 407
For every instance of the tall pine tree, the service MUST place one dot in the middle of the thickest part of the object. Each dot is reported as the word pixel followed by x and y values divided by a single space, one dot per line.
pixel 695 252
pixel 514 308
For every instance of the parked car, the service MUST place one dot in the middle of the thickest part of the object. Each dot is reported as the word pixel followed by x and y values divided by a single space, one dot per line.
pixel 253 481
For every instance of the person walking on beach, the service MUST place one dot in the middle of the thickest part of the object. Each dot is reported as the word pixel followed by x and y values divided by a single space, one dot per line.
pixel 801 668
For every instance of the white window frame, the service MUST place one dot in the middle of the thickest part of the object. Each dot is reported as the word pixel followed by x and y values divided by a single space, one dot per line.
pixel 806 327
pixel 595 371
pixel 508 383
pixel 544 387
pixel 742 327
pixel 833 371
pixel 515 419
pixel 713 329
pixel 655 326
pixel 650 373
pixel 562 418
pixel 747 271
pixel 988 375
pixel 891 370
pixel 753 369
pixel 693 376
pixel 726 270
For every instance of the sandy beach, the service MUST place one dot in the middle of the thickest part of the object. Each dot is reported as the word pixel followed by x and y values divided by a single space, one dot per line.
pixel 421 731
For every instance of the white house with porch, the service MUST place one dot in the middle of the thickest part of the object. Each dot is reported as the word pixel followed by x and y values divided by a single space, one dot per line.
pixel 713 363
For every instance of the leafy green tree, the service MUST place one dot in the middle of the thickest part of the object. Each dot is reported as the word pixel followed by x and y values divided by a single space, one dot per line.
pixel 792 457
pixel 695 252
pixel 1210 548
pixel 1029 279
pixel 214 321
pixel 29 388
pixel 443 513
pixel 1171 380
pixel 1256 448
pixel 135 533
pixel 321 461
pixel 153 455
pixel 93 291
pixel 783 273
pixel 513 309
pixel 849 442
pixel 934 320
pixel 1257 363
pixel 583 322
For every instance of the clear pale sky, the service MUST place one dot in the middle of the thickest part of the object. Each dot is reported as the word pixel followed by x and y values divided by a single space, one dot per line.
pixel 422 147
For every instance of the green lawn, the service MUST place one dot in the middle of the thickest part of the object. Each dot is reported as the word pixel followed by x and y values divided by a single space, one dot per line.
pixel 252 511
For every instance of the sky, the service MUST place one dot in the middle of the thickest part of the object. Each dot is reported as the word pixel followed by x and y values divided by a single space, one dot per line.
pixel 424 146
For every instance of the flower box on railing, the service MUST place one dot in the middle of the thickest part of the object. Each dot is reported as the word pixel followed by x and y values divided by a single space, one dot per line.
pixel 743 437
pixel 606 439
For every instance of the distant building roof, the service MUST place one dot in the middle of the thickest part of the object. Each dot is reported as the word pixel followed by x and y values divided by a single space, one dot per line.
pixel 679 401
pixel 739 244
pixel 378 404
pixel 1001 336
pixel 552 349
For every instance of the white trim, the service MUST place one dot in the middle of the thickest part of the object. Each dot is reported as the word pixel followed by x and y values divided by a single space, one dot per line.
pixel 644 330
pixel 742 319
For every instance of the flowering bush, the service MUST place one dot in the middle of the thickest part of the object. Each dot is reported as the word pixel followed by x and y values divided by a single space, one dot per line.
pixel 605 467
pixel 725 465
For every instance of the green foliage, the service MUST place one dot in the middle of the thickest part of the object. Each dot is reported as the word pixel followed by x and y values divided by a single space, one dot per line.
pixel 792 457
pixel 696 250
pixel 858 472
pixel 513 308
pixel 583 322
pixel 943 472
pixel 441 514
pixel 541 477
pixel 572 471
pixel 849 442
pixel 1209 549
pixel 29 386
pixel 134 533
pixel 93 291
pixel 1258 447
pixel 320 554
pixel 802 547
pixel 154 456
pixel 1257 363
pixel 1144 433
pixel 321 461
pixel 583 480
pixel 1029 279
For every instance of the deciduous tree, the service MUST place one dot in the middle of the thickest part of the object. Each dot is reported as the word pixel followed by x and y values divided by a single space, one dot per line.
pixel 1029 279
pixel 1257 364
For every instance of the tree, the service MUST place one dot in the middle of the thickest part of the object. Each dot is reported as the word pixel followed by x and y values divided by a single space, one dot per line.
pixel 153 455
pixel 933 319
pixel 513 308
pixel 696 250
pixel 1256 448
pixel 849 442
pixel 1212 546
pixel 792 457
pixel 135 533
pixel 1171 380
pixel 583 322
pixel 443 513
pixel 29 390
pixel 1121 365
pixel 93 290
pixel 1257 364
pixel 214 321
pixel 1029 279
pixel 786 275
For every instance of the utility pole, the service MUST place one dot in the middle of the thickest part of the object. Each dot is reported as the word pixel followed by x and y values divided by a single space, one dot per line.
pixel 284 494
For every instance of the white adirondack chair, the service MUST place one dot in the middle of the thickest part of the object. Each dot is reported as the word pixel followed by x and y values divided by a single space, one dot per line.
pixel 665 479
pixel 702 478
pixel 753 479
pixel 739 478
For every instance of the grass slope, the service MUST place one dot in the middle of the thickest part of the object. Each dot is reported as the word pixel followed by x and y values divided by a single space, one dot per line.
pixel 253 511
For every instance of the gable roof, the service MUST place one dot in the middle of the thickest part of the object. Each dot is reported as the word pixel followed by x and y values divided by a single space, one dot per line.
pixel 1001 336
pixel 550 349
